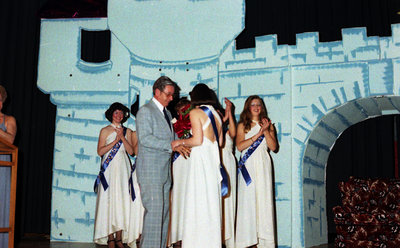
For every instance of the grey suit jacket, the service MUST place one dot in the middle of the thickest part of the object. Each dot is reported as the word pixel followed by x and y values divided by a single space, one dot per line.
pixel 154 155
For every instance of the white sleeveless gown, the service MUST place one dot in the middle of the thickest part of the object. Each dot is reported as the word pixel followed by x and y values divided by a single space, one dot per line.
pixel 115 210
pixel 229 201
pixel 202 214
pixel 179 174
pixel 255 205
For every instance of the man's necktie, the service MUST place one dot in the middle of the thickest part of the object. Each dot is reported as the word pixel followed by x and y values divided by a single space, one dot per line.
pixel 167 118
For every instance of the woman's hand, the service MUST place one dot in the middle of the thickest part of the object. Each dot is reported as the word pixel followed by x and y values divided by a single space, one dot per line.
pixel 265 124
pixel 228 109
pixel 270 135
pixel 120 133
pixel 228 104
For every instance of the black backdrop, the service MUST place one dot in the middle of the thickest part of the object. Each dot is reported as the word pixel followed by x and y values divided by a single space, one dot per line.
pixel 33 111
pixel 19 43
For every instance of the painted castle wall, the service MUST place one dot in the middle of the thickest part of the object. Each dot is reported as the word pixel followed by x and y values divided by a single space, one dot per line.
pixel 303 86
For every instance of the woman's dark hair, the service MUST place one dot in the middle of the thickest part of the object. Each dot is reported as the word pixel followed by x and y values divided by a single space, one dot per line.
pixel 183 101
pixel 117 106
pixel 201 95
pixel 3 93
pixel 217 105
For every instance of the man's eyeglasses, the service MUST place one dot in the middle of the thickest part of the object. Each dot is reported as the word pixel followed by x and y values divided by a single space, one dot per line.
pixel 168 94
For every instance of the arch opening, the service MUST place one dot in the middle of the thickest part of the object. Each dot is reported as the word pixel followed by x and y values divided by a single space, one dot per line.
pixel 318 147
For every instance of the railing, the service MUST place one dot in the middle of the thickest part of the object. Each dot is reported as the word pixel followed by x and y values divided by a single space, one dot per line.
pixel 9 149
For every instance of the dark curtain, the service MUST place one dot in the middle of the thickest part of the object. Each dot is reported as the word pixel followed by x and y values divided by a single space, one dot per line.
pixel 19 43
pixel 364 150
pixel 33 111
pixel 286 18
pixel 35 114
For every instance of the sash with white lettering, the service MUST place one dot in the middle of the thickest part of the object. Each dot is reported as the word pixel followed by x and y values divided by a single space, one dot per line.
pixel 224 183
pixel 131 189
pixel 243 159
pixel 101 178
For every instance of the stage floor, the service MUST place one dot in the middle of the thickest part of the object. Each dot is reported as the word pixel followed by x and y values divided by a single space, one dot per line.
pixel 87 245
pixel 43 242
pixel 48 244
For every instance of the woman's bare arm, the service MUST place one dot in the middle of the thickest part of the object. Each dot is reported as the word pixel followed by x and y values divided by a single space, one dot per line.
pixel 11 127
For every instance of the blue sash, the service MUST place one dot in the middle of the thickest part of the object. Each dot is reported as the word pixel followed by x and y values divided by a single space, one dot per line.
pixel 175 155
pixel 243 159
pixel 101 178
pixel 224 183
pixel 130 182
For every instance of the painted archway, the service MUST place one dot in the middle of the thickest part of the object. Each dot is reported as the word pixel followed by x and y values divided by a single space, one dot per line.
pixel 317 149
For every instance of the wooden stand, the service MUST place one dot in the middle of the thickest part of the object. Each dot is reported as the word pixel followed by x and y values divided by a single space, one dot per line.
pixel 9 149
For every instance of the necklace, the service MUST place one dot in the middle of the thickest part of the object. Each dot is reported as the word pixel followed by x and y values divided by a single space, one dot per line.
pixel 115 126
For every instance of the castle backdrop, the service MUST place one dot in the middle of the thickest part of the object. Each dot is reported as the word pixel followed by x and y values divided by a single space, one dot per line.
pixel 313 92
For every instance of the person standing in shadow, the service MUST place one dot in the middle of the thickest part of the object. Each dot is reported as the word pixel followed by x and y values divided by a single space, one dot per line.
pixel 8 130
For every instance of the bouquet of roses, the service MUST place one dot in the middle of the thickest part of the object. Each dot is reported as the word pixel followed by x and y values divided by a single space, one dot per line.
pixel 182 126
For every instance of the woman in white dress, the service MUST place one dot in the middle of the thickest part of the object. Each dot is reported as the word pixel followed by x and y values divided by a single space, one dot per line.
pixel 180 167
pixel 255 225
pixel 114 206
pixel 202 213
pixel 229 162
pixel 137 209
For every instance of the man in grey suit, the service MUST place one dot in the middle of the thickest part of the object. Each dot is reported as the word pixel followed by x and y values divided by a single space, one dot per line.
pixel 155 134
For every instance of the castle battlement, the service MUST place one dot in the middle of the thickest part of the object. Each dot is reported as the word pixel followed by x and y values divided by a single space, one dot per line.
pixel 355 46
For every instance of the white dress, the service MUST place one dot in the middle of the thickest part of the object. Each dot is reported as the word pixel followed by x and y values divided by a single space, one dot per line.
pixel 179 174
pixel 115 210
pixel 202 214
pixel 255 205
pixel 229 201
pixel 136 215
